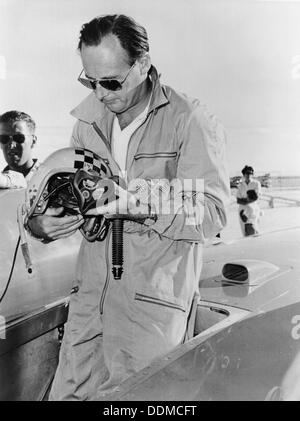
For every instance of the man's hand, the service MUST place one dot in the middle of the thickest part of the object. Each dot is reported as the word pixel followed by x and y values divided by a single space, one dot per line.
pixel 51 226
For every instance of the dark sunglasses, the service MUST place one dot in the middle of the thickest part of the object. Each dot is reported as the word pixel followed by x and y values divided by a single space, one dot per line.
pixel 109 84
pixel 18 138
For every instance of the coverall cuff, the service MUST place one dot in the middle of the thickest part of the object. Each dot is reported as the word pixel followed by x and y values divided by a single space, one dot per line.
pixel 162 223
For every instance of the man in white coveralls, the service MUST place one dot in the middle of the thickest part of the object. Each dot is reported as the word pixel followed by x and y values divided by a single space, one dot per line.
pixel 117 327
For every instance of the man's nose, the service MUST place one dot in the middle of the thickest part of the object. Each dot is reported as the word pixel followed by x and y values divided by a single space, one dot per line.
pixel 12 144
pixel 100 92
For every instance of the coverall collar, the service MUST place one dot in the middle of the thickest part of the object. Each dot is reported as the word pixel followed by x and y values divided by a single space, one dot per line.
pixel 91 109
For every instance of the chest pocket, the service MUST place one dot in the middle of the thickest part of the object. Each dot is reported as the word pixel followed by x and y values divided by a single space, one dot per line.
pixel 156 165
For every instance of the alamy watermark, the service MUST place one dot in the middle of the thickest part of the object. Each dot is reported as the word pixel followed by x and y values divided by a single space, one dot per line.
pixel 296 329
pixel 155 196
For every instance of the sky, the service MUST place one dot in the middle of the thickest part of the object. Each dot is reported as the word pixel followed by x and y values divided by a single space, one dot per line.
pixel 241 57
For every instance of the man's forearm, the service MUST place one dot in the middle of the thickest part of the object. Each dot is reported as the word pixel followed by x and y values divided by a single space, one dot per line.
pixel 206 220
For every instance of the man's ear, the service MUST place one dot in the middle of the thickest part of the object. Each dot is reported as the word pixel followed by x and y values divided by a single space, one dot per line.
pixel 34 140
pixel 145 63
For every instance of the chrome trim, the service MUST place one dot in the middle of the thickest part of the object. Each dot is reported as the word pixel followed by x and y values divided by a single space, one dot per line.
pixel 32 325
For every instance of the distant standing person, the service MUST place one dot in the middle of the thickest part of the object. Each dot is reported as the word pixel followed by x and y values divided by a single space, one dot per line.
pixel 248 194
pixel 17 139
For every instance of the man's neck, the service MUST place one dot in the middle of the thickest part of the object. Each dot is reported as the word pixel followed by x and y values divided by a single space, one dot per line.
pixel 129 115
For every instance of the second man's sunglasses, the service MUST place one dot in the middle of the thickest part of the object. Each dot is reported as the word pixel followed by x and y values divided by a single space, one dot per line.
pixel 109 84
pixel 18 138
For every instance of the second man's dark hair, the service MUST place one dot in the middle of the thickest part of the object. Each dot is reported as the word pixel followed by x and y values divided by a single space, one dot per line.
pixel 132 36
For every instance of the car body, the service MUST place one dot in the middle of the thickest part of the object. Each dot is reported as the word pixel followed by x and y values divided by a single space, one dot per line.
pixel 235 181
pixel 246 331
pixel 34 307
pixel 265 180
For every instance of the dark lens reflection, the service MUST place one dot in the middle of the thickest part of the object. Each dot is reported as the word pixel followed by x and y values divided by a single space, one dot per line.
pixel 5 138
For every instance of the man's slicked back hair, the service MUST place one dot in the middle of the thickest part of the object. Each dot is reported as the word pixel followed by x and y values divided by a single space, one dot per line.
pixel 14 115
pixel 132 36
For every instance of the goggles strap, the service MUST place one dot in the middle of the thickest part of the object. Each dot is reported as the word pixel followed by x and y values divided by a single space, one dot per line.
pixel 21 216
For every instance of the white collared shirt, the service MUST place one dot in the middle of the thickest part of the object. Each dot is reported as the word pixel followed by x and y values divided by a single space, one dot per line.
pixel 121 138
pixel 244 187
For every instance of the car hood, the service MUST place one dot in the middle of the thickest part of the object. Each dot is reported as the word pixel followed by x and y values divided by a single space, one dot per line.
pixel 272 261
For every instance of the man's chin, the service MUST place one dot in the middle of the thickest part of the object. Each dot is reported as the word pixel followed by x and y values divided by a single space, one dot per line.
pixel 13 162
pixel 15 159
pixel 115 106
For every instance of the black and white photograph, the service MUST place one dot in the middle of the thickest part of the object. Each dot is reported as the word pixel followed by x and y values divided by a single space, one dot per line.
pixel 150 203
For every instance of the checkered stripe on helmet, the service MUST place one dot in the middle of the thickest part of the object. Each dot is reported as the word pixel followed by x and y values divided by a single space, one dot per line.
pixel 88 160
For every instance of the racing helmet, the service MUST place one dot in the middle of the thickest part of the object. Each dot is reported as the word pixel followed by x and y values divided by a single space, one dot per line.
pixel 68 178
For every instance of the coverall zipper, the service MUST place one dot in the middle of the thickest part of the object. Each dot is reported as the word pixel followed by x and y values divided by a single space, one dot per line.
pixel 142 123
pixel 108 145
pixel 101 135
pixel 103 295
